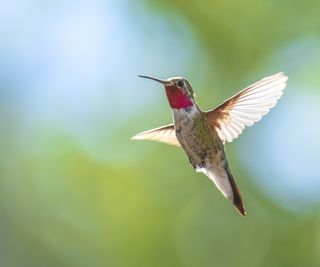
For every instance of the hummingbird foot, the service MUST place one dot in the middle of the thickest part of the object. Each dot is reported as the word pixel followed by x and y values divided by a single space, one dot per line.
pixel 201 167
pixel 202 164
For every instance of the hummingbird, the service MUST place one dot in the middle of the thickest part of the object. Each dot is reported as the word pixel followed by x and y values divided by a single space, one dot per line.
pixel 203 134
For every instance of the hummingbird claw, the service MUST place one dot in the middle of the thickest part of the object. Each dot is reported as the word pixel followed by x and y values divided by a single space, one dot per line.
pixel 202 164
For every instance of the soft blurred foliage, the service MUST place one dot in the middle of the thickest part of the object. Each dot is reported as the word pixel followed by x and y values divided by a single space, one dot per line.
pixel 75 191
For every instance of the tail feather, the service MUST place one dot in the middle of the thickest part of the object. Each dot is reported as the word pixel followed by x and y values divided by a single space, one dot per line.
pixel 237 199
pixel 222 178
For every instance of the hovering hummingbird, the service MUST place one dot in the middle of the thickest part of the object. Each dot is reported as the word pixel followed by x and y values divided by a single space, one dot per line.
pixel 202 135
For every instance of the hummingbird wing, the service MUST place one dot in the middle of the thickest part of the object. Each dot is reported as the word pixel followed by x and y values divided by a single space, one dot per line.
pixel 247 107
pixel 165 134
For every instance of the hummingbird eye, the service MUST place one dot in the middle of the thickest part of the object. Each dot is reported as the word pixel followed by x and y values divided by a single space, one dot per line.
pixel 180 83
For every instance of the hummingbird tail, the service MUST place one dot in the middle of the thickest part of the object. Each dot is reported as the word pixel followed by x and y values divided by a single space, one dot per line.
pixel 222 178
pixel 237 200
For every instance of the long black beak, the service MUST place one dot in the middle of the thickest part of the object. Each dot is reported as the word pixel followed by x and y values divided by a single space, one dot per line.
pixel 155 79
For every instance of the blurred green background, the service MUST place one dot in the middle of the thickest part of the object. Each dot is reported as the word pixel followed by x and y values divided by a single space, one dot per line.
pixel 76 191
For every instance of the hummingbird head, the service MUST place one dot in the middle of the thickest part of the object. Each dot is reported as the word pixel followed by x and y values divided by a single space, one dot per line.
pixel 178 90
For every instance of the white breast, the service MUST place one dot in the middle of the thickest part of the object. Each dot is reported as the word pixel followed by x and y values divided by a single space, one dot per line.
pixel 185 115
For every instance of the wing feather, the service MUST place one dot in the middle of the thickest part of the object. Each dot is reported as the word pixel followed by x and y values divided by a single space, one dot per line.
pixel 247 107
pixel 165 134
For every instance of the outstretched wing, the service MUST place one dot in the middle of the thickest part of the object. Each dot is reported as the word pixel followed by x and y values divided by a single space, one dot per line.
pixel 247 107
pixel 165 134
